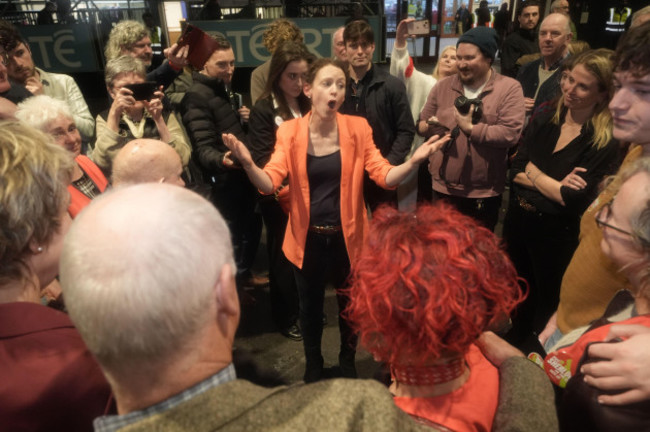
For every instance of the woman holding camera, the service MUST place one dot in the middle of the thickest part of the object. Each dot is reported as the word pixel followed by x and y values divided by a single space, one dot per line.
pixel 128 118
pixel 324 155
pixel 564 156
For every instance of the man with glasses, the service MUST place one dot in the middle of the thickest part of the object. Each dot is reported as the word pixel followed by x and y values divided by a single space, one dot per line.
pixel 381 99
pixel 591 279
pixel 540 79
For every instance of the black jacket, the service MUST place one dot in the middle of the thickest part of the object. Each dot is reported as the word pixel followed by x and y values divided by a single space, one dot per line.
pixel 207 113
pixel 388 113
pixel 519 43
pixel 528 77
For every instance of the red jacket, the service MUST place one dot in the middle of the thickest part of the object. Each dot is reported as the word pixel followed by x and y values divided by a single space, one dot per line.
pixel 48 379
pixel 358 153
pixel 77 199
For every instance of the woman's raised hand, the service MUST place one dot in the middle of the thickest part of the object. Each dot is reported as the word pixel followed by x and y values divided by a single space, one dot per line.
pixel 238 150
pixel 429 147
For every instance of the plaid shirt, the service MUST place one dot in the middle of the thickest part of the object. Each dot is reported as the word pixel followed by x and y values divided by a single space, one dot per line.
pixel 115 422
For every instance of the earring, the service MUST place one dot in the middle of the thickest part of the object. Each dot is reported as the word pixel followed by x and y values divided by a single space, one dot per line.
pixel 39 249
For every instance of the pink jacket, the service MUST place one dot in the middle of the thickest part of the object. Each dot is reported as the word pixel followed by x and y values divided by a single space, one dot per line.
pixel 477 166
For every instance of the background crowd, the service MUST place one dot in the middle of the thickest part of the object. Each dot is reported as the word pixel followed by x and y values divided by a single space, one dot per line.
pixel 388 184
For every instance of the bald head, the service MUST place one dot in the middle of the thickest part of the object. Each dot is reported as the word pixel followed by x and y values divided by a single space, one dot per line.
pixel 147 270
pixel 147 161
pixel 554 37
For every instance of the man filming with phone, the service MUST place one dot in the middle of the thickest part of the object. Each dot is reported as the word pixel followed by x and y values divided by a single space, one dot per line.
pixel 485 113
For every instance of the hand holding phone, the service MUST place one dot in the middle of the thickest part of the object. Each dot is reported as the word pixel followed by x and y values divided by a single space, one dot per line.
pixel 142 91
pixel 418 27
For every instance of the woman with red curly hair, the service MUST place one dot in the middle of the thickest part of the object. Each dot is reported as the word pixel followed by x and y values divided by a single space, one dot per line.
pixel 426 286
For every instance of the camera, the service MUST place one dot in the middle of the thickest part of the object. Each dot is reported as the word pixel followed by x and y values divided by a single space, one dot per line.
pixel 464 104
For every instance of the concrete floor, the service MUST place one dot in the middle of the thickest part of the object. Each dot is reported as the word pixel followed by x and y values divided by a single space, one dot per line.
pixel 269 349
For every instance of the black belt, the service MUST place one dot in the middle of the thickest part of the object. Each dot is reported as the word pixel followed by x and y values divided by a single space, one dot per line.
pixel 325 229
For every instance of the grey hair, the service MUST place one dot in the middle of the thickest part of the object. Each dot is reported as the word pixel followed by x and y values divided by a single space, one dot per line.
pixel 39 111
pixel 121 65
pixel 123 36
pixel 139 269
pixel 640 223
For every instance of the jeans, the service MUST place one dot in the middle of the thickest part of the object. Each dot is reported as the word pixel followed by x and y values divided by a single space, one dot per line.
pixel 326 260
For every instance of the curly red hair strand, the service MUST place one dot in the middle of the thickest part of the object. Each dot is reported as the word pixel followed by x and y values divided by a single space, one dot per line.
pixel 428 284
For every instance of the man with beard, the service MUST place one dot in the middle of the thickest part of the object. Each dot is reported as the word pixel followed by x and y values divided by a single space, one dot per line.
pixel 471 171
pixel 132 38
pixel 521 42
pixel 21 70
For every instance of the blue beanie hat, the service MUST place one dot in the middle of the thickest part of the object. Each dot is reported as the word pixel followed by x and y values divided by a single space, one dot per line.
pixel 484 38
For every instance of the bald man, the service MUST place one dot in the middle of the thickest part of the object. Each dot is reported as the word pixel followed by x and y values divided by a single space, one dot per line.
pixel 147 161
pixel 540 79
pixel 151 289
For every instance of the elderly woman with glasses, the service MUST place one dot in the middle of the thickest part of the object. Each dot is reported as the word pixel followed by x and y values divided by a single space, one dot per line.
pixel 625 224
pixel 53 117
pixel 133 116
pixel 565 155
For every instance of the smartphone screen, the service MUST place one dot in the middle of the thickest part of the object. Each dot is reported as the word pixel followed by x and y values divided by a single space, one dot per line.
pixel 142 91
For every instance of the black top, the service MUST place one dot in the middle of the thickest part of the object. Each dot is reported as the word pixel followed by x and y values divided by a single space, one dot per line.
pixel 324 174
pixel 355 104
pixel 538 146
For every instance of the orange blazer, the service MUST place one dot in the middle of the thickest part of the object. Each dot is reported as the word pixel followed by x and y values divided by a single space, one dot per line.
pixel 358 153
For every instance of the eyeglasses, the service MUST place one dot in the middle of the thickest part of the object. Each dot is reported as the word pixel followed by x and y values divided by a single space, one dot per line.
pixel 603 214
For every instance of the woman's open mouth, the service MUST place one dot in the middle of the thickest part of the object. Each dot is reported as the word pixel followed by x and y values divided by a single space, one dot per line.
pixel 331 104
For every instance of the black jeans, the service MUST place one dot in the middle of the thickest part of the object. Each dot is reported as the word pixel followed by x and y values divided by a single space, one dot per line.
pixel 282 283
pixel 235 198
pixel 540 246
pixel 484 210
pixel 326 260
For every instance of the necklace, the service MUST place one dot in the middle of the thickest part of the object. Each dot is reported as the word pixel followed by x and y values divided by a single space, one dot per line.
pixel 429 375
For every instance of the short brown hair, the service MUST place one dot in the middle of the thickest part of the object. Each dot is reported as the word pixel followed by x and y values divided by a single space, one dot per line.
pixel 633 51
pixel 358 30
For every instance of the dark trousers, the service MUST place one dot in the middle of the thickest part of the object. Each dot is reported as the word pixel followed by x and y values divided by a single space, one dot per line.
pixel 326 260
pixel 484 210
pixel 282 283
pixel 540 246
pixel 236 199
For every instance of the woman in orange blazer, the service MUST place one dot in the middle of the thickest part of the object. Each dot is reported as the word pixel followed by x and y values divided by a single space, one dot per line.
pixel 324 155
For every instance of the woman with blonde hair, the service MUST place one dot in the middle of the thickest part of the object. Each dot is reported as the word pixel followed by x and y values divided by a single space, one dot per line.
pixel 49 379
pixel 555 175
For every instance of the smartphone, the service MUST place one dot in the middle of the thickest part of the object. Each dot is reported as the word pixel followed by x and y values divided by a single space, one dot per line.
pixel 143 91
pixel 419 27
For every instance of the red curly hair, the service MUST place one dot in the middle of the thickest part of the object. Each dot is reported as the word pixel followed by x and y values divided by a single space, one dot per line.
pixel 428 283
